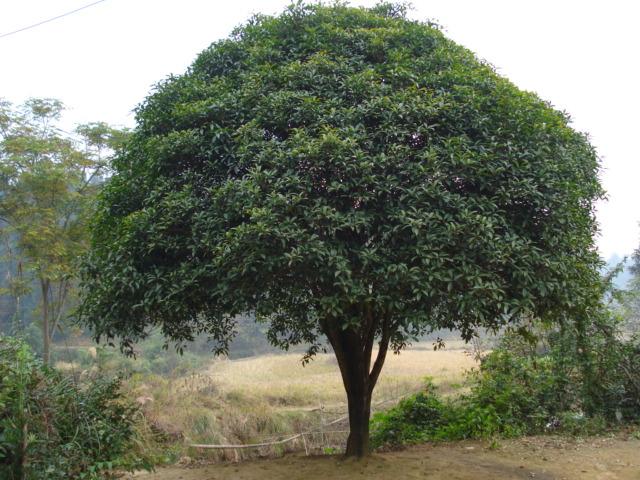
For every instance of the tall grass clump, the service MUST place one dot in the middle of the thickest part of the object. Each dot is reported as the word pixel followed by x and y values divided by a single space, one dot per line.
pixel 53 428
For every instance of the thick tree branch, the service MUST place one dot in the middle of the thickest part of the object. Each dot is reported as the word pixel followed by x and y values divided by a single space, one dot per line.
pixel 369 335
pixel 333 336
pixel 383 346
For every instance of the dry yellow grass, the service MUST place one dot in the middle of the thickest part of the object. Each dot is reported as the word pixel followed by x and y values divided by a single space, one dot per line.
pixel 282 379
pixel 248 400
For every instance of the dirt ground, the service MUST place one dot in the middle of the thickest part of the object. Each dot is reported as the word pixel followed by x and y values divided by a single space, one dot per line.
pixel 541 458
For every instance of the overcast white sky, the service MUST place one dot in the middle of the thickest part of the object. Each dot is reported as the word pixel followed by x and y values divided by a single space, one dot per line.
pixel 580 55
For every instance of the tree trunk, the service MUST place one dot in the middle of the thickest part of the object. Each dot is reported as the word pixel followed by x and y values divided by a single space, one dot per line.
pixel 353 350
pixel 46 339
pixel 359 413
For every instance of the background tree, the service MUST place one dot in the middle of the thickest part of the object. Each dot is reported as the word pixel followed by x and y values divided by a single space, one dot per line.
pixel 48 181
pixel 630 298
pixel 343 173
pixel 634 268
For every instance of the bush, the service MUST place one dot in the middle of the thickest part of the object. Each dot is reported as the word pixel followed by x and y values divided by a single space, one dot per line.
pixel 79 356
pixel 413 420
pixel 608 365
pixel 511 395
pixel 561 383
pixel 52 428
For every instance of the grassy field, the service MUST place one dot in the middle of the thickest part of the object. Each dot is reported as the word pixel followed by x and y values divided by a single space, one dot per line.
pixel 281 380
pixel 266 397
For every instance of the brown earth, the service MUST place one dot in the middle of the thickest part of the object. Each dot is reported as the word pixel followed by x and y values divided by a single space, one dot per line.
pixel 542 458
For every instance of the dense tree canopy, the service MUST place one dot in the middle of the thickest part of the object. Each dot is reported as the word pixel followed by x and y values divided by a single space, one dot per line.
pixel 343 172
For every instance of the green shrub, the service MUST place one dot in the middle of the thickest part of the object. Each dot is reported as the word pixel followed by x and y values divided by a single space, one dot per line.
pixel 471 421
pixel 578 424
pixel 151 358
pixel 522 389
pixel 52 428
pixel 413 420
pixel 511 395
pixel 80 356
pixel 610 371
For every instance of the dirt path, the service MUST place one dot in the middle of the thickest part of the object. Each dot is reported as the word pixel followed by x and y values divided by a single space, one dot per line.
pixel 542 458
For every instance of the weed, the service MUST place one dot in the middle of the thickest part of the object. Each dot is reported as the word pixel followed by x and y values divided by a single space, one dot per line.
pixel 53 428
pixel 494 445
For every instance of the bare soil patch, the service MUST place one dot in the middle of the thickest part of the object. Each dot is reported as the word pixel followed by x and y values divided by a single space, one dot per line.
pixel 542 458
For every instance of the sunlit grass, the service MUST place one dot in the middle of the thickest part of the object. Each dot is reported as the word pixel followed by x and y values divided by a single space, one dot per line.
pixel 248 400
pixel 283 380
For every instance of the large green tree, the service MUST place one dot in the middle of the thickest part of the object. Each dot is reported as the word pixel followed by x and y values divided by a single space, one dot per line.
pixel 48 181
pixel 348 174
